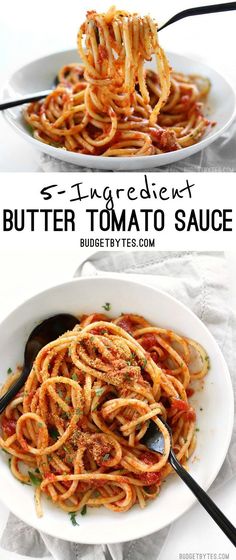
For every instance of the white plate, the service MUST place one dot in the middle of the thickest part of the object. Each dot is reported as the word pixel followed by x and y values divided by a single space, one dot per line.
pixel 39 75
pixel 216 399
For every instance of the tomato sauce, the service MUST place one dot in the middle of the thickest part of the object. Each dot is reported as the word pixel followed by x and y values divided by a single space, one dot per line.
pixel 102 53
pixel 8 426
pixel 125 323
pixel 148 341
pixel 149 478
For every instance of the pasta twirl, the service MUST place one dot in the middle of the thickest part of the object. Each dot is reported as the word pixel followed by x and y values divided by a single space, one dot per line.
pixel 76 426
pixel 112 105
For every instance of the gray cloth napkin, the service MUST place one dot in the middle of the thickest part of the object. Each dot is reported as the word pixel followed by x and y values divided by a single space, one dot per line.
pixel 219 156
pixel 199 280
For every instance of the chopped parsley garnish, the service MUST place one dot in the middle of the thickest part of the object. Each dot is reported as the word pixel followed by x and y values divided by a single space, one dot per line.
pixel 197 430
pixel 107 306
pixel 207 359
pixel 29 128
pixel 106 457
pixel 37 470
pixel 9 371
pixel 144 363
pixel 201 408
pixel 72 515
pixel 74 377
pixel 34 479
pixel 84 510
pixel 53 432
pixel 99 391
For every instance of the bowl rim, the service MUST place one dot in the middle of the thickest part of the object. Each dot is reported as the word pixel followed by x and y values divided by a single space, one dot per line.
pixel 89 161
pixel 230 403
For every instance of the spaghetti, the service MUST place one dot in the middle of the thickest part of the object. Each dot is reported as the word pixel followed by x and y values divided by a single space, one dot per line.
pixel 111 105
pixel 76 426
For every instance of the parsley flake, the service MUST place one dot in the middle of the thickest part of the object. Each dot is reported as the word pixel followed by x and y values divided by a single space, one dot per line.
pixel 99 391
pixel 106 306
pixel 9 371
pixel 106 457
pixel 72 515
pixel 34 479
pixel 84 510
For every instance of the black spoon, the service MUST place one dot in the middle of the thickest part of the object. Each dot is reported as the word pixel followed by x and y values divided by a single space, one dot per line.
pixel 41 335
pixel 214 8
pixel 154 440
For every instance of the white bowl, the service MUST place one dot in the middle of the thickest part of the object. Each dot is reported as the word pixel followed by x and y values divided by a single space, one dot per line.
pixel 216 399
pixel 39 75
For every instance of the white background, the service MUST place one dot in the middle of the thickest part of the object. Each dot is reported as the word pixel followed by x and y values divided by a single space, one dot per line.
pixel 30 30
pixel 30 262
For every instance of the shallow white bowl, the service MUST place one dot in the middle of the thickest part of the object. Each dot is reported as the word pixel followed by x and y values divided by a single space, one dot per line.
pixel 39 75
pixel 216 399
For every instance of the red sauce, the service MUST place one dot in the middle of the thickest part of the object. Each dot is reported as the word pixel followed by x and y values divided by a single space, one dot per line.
pixel 90 13
pixel 89 319
pixel 148 341
pixel 191 414
pixel 148 458
pixel 185 99
pixel 150 478
pixel 50 476
pixel 155 357
pixel 8 426
pixel 182 406
pixel 156 134
pixel 96 483
pixel 189 392
pixel 125 323
pixel 178 404
pixel 102 53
